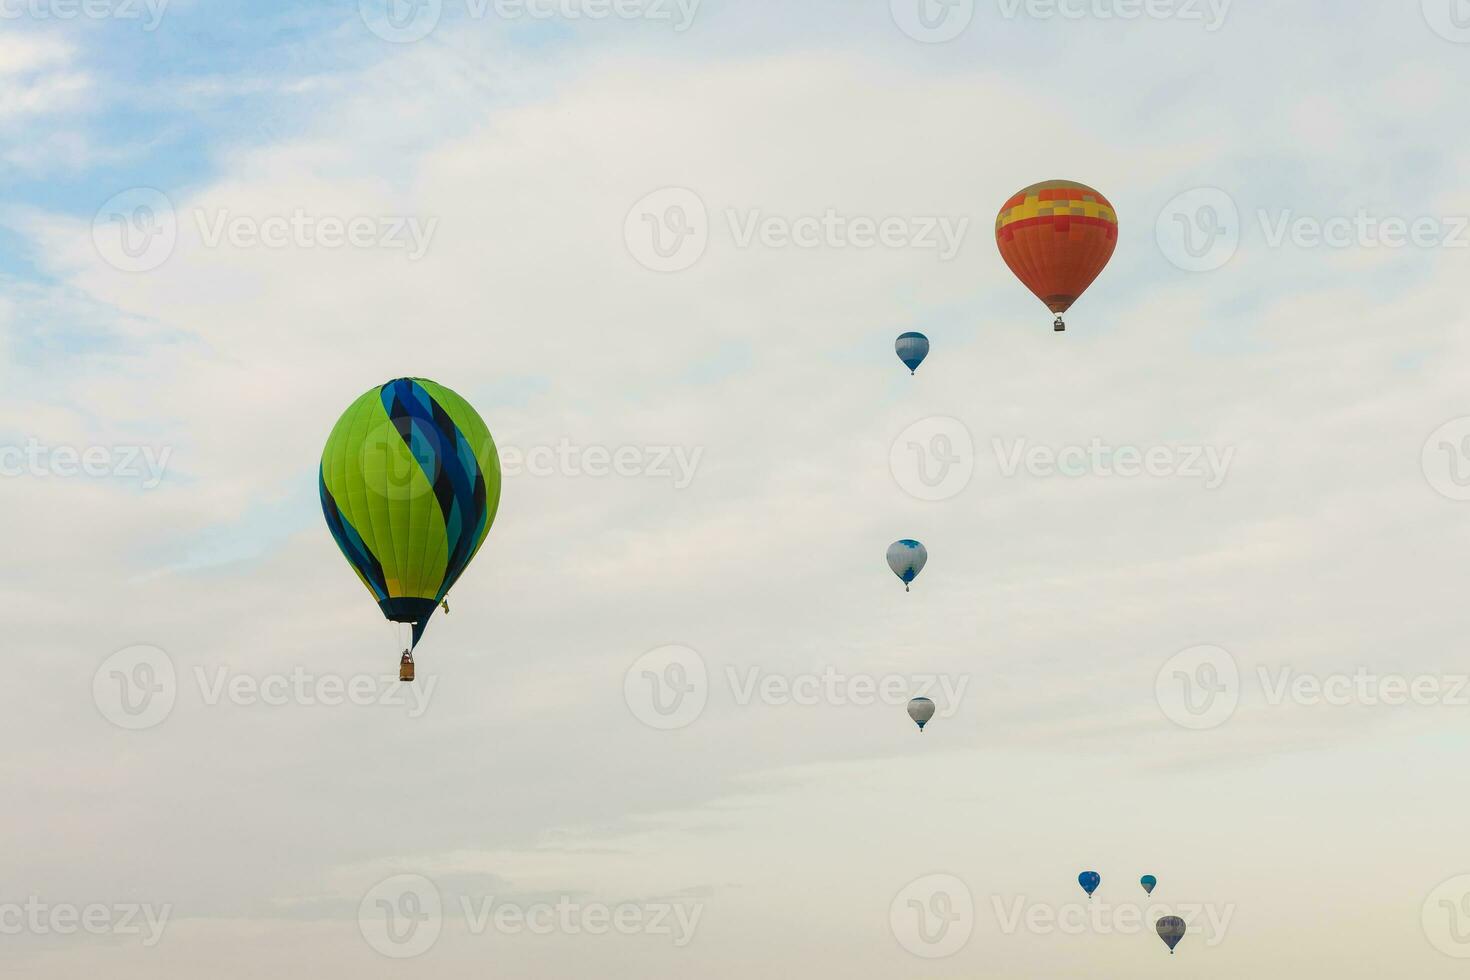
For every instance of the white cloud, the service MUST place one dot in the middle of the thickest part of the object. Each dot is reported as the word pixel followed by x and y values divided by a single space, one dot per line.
pixel 1061 598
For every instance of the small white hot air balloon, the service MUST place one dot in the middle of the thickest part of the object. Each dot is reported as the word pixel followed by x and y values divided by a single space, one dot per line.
pixel 907 559
pixel 921 710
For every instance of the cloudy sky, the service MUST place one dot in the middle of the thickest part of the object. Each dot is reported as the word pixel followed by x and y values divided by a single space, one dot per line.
pixel 1194 605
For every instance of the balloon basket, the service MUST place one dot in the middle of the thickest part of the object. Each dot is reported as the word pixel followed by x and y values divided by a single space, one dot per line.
pixel 405 667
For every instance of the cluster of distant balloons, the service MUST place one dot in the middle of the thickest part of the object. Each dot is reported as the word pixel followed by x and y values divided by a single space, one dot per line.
pixel 1170 928
pixel 1056 236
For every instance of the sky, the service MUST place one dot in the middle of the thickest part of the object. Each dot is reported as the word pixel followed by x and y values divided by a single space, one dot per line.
pixel 1194 600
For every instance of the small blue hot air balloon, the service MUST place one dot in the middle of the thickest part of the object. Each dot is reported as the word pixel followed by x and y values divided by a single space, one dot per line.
pixel 1171 929
pixel 912 348
pixel 1149 882
pixel 1089 880
pixel 907 559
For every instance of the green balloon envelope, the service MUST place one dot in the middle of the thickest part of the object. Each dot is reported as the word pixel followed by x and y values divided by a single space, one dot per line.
pixel 410 483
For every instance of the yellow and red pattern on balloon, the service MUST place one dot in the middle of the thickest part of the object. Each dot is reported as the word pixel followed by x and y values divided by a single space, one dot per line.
pixel 1057 236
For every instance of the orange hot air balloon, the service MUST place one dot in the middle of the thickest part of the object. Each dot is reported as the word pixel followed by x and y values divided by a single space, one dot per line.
pixel 1057 236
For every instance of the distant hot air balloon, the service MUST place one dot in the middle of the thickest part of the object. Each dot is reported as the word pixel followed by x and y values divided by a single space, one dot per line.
pixel 921 710
pixel 1089 880
pixel 912 348
pixel 1149 882
pixel 907 559
pixel 1057 236
pixel 1171 930
pixel 409 483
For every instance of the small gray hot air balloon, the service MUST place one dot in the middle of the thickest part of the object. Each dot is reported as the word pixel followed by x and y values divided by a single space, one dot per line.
pixel 907 559
pixel 1171 930
pixel 921 710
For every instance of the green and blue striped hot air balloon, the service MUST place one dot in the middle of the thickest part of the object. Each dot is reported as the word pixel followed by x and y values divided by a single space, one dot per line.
pixel 410 482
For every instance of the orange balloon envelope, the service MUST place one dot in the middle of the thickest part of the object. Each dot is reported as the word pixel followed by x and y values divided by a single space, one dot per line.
pixel 1057 236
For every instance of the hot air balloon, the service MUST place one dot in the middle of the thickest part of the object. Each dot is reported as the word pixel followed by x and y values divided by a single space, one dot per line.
pixel 1057 236
pixel 912 348
pixel 921 710
pixel 410 482
pixel 1171 930
pixel 1089 880
pixel 907 559
pixel 1149 882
